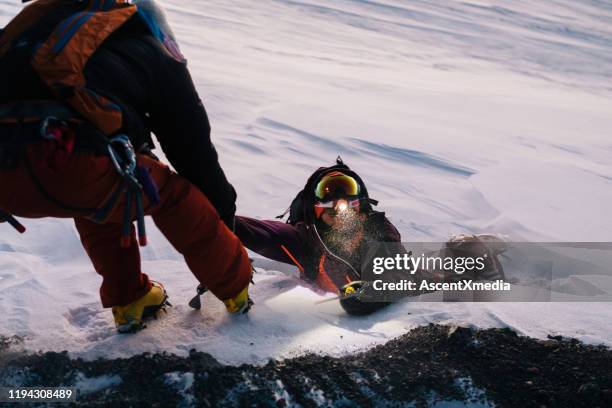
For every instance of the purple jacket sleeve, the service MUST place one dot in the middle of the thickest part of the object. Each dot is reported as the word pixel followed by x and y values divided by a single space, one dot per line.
pixel 272 239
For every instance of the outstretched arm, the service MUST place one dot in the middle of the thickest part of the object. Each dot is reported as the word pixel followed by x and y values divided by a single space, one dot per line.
pixel 180 122
pixel 272 239
pixel 156 92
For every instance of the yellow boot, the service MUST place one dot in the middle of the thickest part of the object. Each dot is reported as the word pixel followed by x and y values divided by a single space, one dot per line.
pixel 241 303
pixel 129 318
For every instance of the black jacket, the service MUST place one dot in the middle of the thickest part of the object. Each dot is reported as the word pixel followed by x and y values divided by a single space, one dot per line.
pixel 157 95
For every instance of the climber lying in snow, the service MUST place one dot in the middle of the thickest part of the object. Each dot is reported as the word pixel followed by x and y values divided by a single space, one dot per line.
pixel 331 222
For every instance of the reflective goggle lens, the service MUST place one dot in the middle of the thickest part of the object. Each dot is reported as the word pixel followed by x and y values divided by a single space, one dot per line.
pixel 335 185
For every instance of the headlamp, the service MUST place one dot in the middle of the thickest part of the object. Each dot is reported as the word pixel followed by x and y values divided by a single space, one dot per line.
pixel 337 205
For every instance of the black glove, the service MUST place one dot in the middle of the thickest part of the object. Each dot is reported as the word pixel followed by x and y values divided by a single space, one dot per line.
pixel 146 150
pixel 229 218
pixel 352 297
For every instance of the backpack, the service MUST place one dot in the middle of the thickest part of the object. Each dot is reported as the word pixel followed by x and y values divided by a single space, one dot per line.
pixel 301 206
pixel 56 38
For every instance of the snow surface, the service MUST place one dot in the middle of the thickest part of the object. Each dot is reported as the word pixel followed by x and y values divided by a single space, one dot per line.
pixel 183 384
pixel 86 385
pixel 461 116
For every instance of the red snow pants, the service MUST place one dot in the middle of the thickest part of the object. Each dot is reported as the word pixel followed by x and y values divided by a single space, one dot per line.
pixel 185 217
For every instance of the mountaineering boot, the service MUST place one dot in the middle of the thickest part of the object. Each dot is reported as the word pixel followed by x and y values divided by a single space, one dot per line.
pixel 129 318
pixel 239 304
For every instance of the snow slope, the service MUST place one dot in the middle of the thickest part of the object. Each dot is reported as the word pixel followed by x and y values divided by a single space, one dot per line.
pixel 462 116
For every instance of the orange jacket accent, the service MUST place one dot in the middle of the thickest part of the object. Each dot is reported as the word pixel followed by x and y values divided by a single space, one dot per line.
pixel 323 279
pixel 62 57
pixel 295 261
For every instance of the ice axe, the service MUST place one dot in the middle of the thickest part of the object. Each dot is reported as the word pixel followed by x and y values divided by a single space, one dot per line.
pixel 355 289
pixel 5 216
pixel 196 303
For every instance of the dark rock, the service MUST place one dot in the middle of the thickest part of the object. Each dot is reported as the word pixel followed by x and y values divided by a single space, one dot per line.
pixel 429 360
pixel 588 389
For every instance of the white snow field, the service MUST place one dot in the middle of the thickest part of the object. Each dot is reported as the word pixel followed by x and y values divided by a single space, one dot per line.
pixel 461 116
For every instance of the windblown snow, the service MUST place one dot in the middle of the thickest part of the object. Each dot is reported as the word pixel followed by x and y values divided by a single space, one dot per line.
pixel 461 116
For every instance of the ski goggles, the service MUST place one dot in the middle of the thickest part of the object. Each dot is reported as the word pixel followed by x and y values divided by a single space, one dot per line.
pixel 337 205
pixel 336 185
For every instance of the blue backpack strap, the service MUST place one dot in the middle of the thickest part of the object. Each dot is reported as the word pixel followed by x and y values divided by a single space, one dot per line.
pixel 154 17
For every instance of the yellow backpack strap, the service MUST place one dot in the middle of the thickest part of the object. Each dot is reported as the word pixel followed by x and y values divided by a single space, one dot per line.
pixel 61 59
